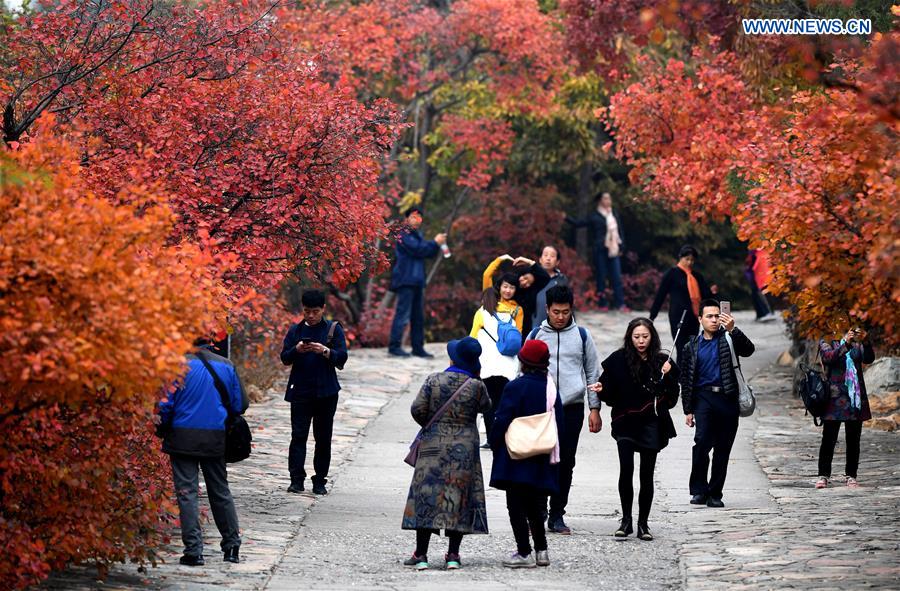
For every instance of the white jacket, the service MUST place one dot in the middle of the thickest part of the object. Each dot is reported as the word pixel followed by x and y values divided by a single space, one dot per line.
pixel 492 362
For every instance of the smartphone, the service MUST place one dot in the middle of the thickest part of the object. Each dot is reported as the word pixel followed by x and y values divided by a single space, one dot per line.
pixel 306 341
pixel 725 307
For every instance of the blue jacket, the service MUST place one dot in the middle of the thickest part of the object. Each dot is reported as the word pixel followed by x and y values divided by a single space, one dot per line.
pixel 524 396
pixel 412 250
pixel 312 375
pixel 193 418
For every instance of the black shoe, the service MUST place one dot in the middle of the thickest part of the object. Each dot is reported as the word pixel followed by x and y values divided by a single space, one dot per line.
pixel 698 500
pixel 717 503
pixel 231 555
pixel 644 532
pixel 558 526
pixel 423 354
pixel 319 489
pixel 295 488
pixel 625 528
pixel 398 353
pixel 191 560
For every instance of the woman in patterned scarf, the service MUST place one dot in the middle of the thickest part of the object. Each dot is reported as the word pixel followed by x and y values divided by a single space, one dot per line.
pixel 848 404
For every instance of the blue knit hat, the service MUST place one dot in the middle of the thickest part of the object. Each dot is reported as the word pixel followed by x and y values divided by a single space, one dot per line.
pixel 465 353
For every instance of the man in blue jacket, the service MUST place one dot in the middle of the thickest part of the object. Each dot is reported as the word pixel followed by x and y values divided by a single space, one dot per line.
pixel 192 421
pixel 408 282
pixel 314 348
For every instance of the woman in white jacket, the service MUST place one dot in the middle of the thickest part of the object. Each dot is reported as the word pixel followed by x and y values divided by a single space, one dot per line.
pixel 496 369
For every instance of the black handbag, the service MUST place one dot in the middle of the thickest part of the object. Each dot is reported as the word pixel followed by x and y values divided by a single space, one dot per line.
pixel 237 431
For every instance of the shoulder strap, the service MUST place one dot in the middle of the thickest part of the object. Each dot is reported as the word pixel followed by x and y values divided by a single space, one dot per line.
pixel 445 406
pixel 331 327
pixel 533 333
pixel 734 360
pixel 220 386
pixel 583 332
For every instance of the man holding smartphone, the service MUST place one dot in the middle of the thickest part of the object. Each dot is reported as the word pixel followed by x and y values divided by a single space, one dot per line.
pixel 709 394
pixel 314 348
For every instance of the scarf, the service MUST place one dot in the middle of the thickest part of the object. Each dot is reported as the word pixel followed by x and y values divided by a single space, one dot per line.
pixel 551 408
pixel 851 380
pixel 611 240
pixel 693 289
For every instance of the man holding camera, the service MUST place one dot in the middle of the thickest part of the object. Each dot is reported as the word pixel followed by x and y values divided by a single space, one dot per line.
pixel 314 348
pixel 709 395
pixel 408 283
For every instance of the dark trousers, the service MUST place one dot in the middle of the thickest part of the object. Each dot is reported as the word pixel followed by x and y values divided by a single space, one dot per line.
pixel 611 267
pixel 423 539
pixel 716 427
pixel 760 304
pixel 494 385
pixel 853 433
pixel 186 476
pixel 573 420
pixel 319 411
pixel 410 310
pixel 689 328
pixel 525 506
pixel 627 449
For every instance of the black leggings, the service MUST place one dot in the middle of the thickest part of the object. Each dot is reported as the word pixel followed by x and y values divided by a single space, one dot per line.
pixel 423 537
pixel 853 432
pixel 525 505
pixel 627 450
pixel 494 385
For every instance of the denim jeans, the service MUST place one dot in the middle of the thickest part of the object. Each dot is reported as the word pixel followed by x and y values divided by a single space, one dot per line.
pixel 410 309
pixel 605 266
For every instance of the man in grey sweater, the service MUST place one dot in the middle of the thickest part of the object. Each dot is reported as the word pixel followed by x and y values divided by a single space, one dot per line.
pixel 573 365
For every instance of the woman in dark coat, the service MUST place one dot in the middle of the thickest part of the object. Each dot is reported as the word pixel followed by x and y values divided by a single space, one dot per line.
pixel 641 385
pixel 849 403
pixel 685 288
pixel 526 482
pixel 447 489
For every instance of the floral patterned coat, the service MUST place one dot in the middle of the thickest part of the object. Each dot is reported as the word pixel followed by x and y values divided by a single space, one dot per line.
pixel 834 356
pixel 447 489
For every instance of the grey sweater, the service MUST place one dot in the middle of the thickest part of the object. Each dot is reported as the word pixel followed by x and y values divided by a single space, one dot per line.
pixel 573 364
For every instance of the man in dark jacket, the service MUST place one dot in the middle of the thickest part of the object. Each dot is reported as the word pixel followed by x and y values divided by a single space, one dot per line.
pixel 609 244
pixel 550 263
pixel 192 420
pixel 313 348
pixel 408 282
pixel 709 394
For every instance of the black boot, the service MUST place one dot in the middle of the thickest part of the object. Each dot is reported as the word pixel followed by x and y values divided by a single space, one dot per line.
pixel 231 555
pixel 624 528
pixel 644 532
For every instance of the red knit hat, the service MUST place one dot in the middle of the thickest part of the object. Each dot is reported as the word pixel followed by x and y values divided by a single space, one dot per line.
pixel 535 353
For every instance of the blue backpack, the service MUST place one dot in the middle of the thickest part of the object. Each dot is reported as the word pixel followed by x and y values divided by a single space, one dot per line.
pixel 509 339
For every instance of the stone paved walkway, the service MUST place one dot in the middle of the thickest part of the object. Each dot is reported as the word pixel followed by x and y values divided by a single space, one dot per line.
pixel 777 531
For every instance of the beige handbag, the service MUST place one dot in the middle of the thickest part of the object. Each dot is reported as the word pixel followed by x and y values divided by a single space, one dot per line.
pixel 531 436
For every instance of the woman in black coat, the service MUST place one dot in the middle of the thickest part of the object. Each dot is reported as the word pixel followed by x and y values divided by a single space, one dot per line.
pixel 526 482
pixel 685 288
pixel 641 385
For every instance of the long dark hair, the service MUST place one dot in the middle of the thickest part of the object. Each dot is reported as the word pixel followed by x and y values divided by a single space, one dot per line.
pixel 489 299
pixel 631 353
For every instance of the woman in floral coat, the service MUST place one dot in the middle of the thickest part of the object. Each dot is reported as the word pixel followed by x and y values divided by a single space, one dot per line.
pixel 447 490
pixel 848 404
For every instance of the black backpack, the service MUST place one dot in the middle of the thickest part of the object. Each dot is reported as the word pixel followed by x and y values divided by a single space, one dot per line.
pixel 815 391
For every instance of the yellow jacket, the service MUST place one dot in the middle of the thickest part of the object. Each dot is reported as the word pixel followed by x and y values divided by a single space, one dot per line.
pixel 487 280
pixel 509 307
